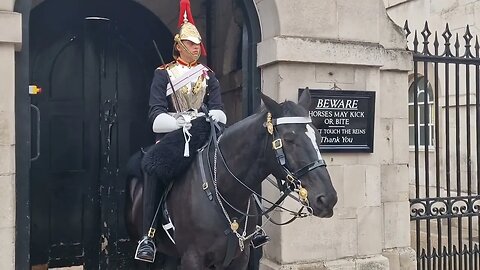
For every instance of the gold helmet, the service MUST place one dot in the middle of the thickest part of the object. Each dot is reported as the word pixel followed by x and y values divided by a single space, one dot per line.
pixel 187 31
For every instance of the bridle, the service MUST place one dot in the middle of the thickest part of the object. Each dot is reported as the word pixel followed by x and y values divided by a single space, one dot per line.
pixel 292 182
pixel 293 179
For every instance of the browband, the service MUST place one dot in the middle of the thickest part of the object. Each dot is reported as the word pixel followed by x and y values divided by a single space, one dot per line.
pixel 291 120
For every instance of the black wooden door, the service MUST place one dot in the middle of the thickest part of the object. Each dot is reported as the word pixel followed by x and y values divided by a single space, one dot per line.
pixel 93 111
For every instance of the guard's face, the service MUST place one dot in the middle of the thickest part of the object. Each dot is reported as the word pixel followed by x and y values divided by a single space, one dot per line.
pixel 192 47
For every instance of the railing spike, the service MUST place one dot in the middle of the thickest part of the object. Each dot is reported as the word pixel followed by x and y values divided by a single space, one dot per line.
pixel 406 28
pixel 426 33
pixel 415 42
pixel 477 47
pixel 447 35
pixel 423 254
pixel 436 43
pixel 468 38
pixel 457 46
pixel 407 31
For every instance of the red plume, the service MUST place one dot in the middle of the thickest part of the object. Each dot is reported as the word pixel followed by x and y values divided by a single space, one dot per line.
pixel 185 7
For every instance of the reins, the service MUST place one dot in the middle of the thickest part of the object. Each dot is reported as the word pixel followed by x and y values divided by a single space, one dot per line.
pixel 263 213
pixel 292 182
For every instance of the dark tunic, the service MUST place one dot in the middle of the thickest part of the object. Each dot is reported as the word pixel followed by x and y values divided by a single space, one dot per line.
pixel 165 159
pixel 159 103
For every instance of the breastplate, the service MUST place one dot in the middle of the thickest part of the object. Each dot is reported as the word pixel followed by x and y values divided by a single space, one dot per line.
pixel 191 95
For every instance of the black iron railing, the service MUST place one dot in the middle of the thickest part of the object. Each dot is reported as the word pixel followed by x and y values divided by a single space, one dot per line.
pixel 445 207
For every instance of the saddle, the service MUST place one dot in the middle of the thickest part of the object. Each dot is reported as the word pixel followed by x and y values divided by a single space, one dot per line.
pixel 203 163
pixel 160 164
pixel 164 219
pixel 198 132
pixel 204 167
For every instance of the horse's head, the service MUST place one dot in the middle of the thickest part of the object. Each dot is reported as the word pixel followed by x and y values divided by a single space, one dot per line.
pixel 298 159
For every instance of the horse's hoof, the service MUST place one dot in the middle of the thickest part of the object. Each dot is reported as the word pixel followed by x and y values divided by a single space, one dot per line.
pixel 146 250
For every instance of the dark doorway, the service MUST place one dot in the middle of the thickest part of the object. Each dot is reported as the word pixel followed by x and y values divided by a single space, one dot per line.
pixel 95 69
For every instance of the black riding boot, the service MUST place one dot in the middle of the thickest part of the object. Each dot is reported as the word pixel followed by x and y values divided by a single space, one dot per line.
pixel 146 248
pixel 260 238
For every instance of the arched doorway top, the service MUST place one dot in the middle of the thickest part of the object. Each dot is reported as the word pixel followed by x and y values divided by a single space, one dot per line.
pixel 269 18
pixel 313 19
pixel 167 12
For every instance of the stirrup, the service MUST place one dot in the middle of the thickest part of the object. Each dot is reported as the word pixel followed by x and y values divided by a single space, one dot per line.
pixel 260 239
pixel 146 250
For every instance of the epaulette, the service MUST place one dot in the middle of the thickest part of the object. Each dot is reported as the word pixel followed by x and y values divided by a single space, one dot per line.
pixel 209 69
pixel 166 65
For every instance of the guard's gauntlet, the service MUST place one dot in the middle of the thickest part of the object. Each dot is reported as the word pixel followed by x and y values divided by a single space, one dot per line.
pixel 218 115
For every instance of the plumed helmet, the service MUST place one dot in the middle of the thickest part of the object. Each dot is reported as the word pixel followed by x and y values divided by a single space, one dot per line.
pixel 188 30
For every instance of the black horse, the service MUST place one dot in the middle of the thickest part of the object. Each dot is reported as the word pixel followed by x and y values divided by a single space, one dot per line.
pixel 279 140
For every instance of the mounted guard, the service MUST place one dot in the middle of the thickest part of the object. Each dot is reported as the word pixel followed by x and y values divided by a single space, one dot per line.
pixel 177 93
pixel 212 204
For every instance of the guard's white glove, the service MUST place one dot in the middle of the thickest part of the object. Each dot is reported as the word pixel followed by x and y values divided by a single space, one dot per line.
pixel 184 121
pixel 218 116
pixel 165 123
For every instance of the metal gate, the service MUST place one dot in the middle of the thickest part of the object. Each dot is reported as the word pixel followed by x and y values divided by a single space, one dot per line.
pixel 444 140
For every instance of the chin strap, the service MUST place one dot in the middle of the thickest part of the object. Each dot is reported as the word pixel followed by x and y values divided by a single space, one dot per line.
pixel 179 41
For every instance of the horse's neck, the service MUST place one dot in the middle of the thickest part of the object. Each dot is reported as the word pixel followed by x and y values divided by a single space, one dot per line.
pixel 243 145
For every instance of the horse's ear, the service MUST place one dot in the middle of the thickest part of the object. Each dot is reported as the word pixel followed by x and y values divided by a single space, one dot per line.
pixel 272 106
pixel 305 99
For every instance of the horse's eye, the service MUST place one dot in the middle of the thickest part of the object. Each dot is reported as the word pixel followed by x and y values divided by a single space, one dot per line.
pixel 289 136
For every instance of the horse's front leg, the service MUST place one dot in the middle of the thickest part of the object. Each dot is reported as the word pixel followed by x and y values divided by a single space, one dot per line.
pixel 241 262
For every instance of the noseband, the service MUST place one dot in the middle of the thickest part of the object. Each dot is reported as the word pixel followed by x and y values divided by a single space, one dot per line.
pixel 293 178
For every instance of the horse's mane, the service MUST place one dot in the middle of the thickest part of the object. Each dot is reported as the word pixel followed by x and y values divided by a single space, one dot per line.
pixel 292 109
pixel 289 108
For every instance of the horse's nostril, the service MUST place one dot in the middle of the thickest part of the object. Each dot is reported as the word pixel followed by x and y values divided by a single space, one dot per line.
pixel 326 201
pixel 321 200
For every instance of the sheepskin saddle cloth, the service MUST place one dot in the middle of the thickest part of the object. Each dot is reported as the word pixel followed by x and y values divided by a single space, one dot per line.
pixel 166 161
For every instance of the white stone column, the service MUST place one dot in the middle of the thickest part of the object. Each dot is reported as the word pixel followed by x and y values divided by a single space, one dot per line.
pixel 354 45
pixel 10 39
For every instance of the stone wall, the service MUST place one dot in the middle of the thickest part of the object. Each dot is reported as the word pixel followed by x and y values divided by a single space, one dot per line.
pixel 458 13
pixel 10 39
pixel 356 47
